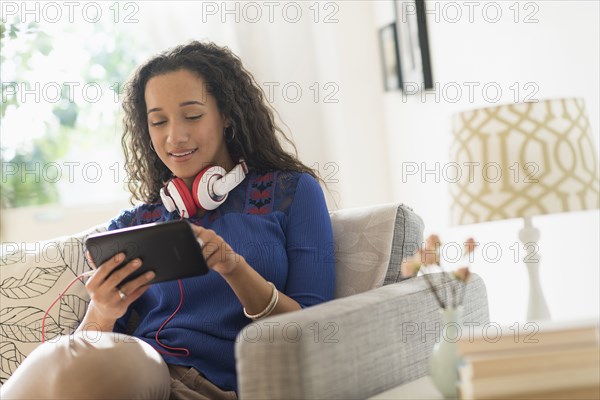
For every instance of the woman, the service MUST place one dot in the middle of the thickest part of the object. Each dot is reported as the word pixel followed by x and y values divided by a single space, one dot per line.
pixel 268 245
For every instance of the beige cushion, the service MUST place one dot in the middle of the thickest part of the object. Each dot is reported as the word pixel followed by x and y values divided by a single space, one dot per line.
pixel 370 244
pixel 31 277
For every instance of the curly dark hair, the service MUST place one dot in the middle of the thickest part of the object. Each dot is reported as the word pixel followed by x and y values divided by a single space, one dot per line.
pixel 239 99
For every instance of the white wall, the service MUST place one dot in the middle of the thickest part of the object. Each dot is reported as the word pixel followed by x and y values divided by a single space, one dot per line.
pixel 559 55
pixel 341 129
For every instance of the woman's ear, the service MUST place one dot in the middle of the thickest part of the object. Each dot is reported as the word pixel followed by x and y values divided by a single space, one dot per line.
pixel 226 121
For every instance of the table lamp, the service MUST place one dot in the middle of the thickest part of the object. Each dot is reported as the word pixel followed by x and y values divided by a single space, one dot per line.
pixel 521 160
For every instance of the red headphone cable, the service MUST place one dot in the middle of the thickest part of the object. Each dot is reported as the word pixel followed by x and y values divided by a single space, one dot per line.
pixel 185 351
pixel 60 296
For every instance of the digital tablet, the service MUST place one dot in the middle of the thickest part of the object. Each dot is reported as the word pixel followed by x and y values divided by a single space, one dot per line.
pixel 170 249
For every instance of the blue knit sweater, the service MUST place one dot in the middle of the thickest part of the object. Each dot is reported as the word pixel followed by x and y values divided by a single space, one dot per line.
pixel 279 223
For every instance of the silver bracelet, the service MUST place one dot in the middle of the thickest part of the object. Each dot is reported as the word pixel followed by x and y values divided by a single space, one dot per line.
pixel 270 307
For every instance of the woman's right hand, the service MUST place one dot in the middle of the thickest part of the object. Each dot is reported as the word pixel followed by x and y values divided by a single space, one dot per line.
pixel 109 302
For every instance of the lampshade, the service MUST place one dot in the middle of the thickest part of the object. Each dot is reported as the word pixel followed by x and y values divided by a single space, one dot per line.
pixel 521 160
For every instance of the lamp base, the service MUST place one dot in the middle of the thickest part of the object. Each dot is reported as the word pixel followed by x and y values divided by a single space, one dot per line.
pixel 537 309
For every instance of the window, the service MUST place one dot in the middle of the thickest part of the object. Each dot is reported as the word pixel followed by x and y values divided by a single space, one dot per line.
pixel 62 85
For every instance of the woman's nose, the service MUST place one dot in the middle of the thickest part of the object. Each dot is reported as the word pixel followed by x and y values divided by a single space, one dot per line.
pixel 177 134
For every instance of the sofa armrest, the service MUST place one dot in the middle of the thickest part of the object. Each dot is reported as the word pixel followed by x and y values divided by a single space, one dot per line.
pixel 353 347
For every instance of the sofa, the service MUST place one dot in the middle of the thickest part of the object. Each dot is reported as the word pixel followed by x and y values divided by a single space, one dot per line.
pixel 376 334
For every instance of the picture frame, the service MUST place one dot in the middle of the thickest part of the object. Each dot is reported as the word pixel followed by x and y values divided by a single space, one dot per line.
pixel 388 45
pixel 413 46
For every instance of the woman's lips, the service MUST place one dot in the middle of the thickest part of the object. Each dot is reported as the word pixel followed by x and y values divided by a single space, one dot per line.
pixel 183 155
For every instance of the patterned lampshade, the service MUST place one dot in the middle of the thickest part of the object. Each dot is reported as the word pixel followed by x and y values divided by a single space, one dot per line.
pixel 521 160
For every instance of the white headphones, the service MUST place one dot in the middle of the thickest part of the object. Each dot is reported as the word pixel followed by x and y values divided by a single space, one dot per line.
pixel 209 190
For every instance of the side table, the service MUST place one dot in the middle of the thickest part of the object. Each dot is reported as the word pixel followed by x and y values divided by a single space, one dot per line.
pixel 421 389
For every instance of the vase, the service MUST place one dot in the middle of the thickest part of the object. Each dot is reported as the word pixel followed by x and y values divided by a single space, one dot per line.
pixel 444 359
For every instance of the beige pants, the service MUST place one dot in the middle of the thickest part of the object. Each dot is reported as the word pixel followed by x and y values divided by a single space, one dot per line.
pixel 104 365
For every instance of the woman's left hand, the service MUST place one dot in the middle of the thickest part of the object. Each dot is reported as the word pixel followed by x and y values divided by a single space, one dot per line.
pixel 218 254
